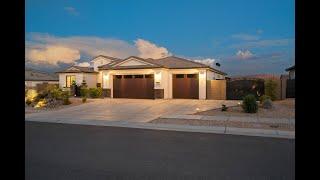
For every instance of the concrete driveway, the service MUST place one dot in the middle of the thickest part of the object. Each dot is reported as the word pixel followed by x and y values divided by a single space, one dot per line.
pixel 131 110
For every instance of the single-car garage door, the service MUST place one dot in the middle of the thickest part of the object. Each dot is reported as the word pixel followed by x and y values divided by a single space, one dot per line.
pixel 185 86
pixel 133 86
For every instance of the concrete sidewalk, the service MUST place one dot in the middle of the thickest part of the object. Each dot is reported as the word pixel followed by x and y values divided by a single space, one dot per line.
pixel 232 118
pixel 172 127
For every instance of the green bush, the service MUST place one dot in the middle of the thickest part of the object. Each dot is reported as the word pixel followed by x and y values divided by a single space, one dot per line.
pixel 56 93
pixel 270 89
pixel 263 98
pixel 84 92
pixel 65 98
pixel 95 92
pixel 249 104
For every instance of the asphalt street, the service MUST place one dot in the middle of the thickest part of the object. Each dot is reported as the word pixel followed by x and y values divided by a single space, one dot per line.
pixel 65 151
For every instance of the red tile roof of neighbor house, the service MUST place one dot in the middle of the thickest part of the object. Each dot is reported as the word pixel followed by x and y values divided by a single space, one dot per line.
pixel 170 62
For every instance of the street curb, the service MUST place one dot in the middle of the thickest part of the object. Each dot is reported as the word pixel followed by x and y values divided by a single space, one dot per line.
pixel 181 128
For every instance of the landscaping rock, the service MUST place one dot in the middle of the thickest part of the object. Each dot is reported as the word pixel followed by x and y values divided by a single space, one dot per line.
pixel 267 104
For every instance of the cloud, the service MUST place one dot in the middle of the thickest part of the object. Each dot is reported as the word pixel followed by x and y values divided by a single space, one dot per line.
pixel 259 31
pixel 206 61
pixel 52 55
pixel 38 43
pixel 245 37
pixel 84 64
pixel 244 54
pixel 150 50
pixel 72 11
pixel 264 43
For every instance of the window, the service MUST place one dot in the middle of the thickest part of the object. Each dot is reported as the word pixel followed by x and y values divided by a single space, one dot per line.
pixel 69 80
pixel 127 76
pixel 191 76
pixel 179 75
pixel 148 76
pixel 138 76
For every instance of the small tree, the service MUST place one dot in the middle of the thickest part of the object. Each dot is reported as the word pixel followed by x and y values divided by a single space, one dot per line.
pixel 270 89
pixel 249 104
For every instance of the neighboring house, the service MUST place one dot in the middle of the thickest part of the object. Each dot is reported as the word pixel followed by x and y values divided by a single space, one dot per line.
pixel 135 77
pixel 292 72
pixel 34 77
pixel 77 74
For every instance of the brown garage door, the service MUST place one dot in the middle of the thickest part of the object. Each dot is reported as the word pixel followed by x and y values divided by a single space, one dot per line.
pixel 185 86
pixel 133 86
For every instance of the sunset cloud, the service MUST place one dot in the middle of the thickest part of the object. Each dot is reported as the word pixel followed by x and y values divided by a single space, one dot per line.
pixel 83 64
pixel 244 54
pixel 45 48
pixel 52 55
pixel 150 50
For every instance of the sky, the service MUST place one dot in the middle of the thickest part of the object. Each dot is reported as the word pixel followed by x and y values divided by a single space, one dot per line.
pixel 245 37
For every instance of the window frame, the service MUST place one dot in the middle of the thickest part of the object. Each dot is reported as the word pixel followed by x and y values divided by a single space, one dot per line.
pixel 70 80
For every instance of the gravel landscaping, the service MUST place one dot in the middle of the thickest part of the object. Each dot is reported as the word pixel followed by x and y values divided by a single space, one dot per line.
pixel 276 118
pixel 74 102
pixel 281 109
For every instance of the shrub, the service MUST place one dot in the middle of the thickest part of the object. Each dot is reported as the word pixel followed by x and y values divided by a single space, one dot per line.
pixel 41 103
pixel 56 93
pixel 249 104
pixel 84 99
pixel 31 95
pixel 28 102
pixel 224 108
pixel 263 98
pixel 270 89
pixel 84 92
pixel 95 92
pixel 65 98
pixel 267 104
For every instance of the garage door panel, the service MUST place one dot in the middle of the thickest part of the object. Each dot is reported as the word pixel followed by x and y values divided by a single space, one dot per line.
pixel 133 87
pixel 185 86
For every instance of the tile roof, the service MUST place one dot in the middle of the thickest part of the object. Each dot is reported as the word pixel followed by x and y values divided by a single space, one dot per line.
pixel 173 62
pixel 170 62
pixel 35 75
pixel 78 69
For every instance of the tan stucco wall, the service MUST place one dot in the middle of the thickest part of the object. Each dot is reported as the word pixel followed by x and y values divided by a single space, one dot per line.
pixel 162 75
pixel 216 89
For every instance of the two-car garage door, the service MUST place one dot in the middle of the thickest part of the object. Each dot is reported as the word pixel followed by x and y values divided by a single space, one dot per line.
pixel 184 86
pixel 133 86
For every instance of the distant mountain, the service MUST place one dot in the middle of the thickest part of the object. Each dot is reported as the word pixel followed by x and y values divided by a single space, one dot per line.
pixel 36 75
pixel 257 76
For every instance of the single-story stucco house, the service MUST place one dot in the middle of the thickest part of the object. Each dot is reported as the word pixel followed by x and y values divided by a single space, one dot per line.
pixel 135 77
pixel 34 77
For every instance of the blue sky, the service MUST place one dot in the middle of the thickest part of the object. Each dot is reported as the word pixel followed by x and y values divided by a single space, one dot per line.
pixel 245 37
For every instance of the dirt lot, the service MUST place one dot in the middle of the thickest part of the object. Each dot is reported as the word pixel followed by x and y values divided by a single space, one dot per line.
pixel 281 109
pixel 74 102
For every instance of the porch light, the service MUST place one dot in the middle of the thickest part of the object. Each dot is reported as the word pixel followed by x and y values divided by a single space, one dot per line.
pixel 157 77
